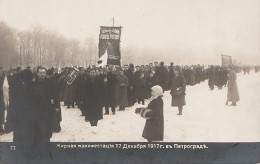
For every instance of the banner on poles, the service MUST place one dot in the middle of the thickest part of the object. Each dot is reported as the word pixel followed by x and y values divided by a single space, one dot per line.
pixel 109 42
pixel 226 60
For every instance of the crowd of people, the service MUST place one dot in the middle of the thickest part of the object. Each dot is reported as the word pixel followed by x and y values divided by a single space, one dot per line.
pixel 34 95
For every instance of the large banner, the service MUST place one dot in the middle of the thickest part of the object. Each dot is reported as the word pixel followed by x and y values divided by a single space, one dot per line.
pixel 109 42
pixel 226 60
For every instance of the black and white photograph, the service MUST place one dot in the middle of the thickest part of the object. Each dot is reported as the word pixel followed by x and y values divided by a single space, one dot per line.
pixel 130 71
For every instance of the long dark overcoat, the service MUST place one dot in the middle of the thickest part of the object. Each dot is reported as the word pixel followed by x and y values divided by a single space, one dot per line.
pixel 24 118
pixel 178 83
pixel 162 74
pixel 110 90
pixel 122 82
pixel 140 85
pixel 55 94
pixel 154 127
pixel 94 101
pixel 43 108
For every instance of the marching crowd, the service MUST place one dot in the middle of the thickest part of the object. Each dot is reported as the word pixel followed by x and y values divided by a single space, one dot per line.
pixel 32 96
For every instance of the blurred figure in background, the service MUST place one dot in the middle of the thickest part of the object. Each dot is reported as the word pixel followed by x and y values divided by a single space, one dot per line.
pixel 232 94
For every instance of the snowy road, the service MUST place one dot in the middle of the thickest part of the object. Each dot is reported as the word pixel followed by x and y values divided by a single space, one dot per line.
pixel 206 119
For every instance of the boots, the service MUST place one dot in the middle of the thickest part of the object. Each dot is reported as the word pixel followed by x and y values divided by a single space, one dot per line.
pixel 234 104
pixel 180 111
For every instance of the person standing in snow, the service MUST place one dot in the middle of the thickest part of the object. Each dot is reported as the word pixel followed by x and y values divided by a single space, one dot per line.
pixel 154 126
pixel 110 83
pixel 94 93
pixel 233 94
pixel 178 89
pixel 122 83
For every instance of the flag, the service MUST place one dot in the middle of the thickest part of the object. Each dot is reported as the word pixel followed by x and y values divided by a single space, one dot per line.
pixel 226 60
pixel 109 40
pixel 102 61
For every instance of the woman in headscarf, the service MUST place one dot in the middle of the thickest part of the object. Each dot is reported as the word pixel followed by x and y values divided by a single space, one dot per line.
pixel 178 89
pixel 154 126
pixel 232 94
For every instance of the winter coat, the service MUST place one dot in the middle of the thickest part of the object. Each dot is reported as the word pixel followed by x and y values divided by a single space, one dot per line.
pixel 212 77
pixel 140 85
pixel 154 127
pixel 56 115
pixel 25 116
pixel 162 74
pixel 70 92
pixel 233 94
pixel 81 88
pixel 110 90
pixel 94 101
pixel 43 107
pixel 122 83
pixel 178 83
pixel 171 75
pixel 152 81
pixel 130 76
pixel 14 82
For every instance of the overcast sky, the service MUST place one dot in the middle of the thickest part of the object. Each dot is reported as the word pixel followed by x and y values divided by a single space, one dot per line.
pixel 192 28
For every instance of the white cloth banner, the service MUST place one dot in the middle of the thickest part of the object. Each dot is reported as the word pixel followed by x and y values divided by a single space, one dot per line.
pixel 102 61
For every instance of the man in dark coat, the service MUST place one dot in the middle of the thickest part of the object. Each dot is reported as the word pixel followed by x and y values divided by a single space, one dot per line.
pixel 152 80
pixel 110 91
pixel 43 107
pixel 171 75
pixel 95 88
pixel 14 82
pixel 162 74
pixel 130 89
pixel 140 86
pixel 212 77
pixel 23 118
pixel 81 91
pixel 55 94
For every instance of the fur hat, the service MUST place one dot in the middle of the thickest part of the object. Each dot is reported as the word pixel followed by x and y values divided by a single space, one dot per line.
pixel 157 91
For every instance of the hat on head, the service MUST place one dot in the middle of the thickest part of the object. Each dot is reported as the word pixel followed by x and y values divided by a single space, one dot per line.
pixel 178 68
pixel 157 91
pixel 161 63
pixel 131 65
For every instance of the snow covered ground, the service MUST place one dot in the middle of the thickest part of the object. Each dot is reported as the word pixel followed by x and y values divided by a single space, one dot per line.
pixel 205 118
